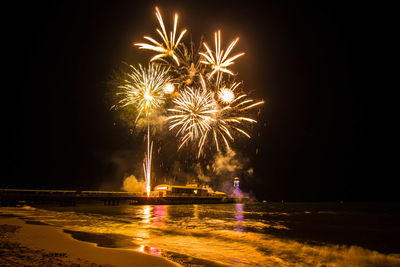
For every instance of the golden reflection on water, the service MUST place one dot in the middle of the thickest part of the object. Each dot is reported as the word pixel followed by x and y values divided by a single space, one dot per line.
pixel 151 216
pixel 196 211
pixel 146 214
pixel 149 250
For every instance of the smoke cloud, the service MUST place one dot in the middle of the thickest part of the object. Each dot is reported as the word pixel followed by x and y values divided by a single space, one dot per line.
pixel 156 121
pixel 200 174
pixel 227 164
pixel 180 174
pixel 131 184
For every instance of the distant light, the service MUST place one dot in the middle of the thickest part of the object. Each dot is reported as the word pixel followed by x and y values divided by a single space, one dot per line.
pixel 162 188
pixel 169 88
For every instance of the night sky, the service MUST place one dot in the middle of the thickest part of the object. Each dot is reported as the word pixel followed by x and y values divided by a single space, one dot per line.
pixel 314 65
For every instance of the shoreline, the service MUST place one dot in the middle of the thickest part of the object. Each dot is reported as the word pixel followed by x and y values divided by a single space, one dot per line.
pixel 25 243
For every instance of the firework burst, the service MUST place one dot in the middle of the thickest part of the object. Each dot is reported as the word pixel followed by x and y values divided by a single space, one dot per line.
pixel 218 59
pixel 144 88
pixel 199 117
pixel 230 118
pixel 168 46
pixel 192 114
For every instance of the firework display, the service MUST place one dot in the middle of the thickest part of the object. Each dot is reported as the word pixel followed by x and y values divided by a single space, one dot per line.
pixel 194 88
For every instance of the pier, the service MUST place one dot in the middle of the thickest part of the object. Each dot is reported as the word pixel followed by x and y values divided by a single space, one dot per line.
pixel 14 197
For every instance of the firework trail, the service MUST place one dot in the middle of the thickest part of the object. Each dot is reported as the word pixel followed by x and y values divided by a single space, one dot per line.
pixel 147 163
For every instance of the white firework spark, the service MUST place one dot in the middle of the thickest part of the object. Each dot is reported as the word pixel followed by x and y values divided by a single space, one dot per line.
pixel 169 88
pixel 227 95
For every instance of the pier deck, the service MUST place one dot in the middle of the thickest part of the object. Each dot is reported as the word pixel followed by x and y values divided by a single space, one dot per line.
pixel 12 197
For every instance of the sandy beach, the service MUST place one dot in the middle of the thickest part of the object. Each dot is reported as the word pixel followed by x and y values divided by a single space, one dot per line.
pixel 23 244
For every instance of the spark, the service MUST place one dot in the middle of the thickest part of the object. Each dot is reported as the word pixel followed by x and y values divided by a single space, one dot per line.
pixel 226 95
pixel 219 60
pixel 169 88
pixel 167 47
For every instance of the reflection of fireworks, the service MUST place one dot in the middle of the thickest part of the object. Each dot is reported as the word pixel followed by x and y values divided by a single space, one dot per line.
pixel 169 46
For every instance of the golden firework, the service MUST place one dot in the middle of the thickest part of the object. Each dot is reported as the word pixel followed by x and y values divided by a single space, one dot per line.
pixel 218 59
pixel 199 117
pixel 144 88
pixel 230 119
pixel 167 47
pixel 192 113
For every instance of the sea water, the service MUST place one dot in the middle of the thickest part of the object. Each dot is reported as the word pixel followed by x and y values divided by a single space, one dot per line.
pixel 256 234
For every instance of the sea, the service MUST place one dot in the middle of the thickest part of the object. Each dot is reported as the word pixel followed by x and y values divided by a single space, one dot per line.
pixel 253 234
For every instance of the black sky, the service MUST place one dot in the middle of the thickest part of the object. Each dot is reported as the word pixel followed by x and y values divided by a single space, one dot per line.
pixel 314 64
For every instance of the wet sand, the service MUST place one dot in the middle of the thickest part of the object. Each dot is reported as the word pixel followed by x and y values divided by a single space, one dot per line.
pixel 34 244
